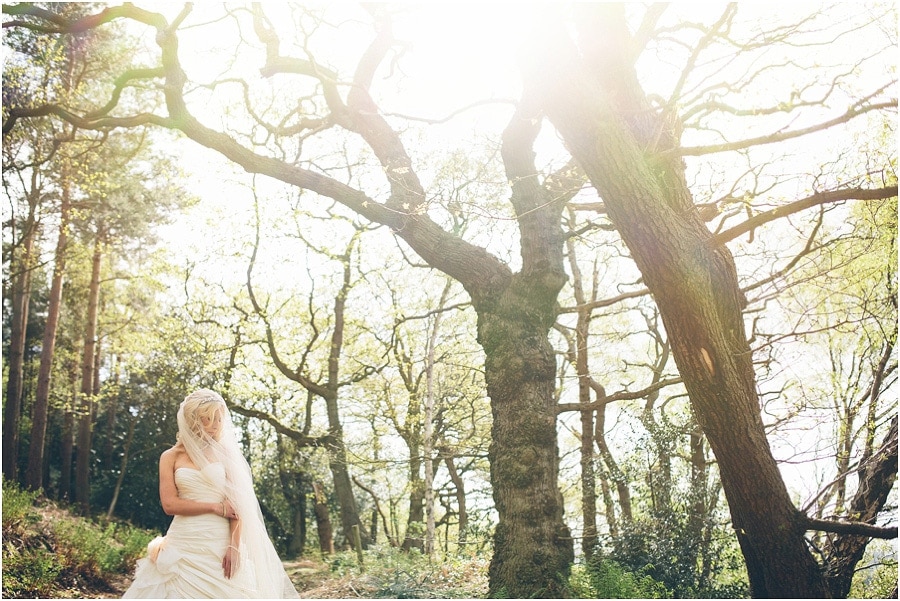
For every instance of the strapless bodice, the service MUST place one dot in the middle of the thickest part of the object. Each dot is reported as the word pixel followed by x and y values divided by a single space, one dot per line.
pixel 206 485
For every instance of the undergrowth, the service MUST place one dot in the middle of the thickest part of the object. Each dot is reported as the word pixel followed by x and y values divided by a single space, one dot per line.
pixel 388 573
pixel 47 552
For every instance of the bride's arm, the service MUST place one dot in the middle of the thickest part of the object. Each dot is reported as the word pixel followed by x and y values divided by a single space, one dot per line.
pixel 172 504
pixel 232 558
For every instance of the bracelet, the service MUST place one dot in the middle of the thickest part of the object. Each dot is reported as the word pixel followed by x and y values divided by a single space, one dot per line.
pixel 235 548
pixel 223 509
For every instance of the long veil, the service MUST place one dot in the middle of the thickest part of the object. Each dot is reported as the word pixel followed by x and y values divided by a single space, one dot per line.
pixel 256 549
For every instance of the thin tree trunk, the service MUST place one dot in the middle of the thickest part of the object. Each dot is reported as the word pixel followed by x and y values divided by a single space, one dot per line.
pixel 582 370
pixel 460 492
pixel 876 479
pixel 377 512
pixel 428 427
pixel 39 412
pixel 67 441
pixel 86 409
pixel 699 510
pixel 122 467
pixel 608 505
pixel 298 538
pixel 21 295
pixel 615 473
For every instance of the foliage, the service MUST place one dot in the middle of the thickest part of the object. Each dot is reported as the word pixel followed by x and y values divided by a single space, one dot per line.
pixel 48 552
pixel 18 506
pixel 879 579
pixel 27 571
pixel 606 579
pixel 388 573
pixel 664 548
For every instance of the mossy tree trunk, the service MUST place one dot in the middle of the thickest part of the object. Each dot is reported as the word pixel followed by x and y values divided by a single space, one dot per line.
pixel 591 95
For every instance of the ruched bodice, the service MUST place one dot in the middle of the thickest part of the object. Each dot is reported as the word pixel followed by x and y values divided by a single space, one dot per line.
pixel 206 485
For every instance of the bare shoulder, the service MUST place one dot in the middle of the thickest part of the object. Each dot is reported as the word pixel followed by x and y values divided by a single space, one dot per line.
pixel 170 456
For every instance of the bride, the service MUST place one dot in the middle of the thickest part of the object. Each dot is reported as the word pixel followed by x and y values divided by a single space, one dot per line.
pixel 216 545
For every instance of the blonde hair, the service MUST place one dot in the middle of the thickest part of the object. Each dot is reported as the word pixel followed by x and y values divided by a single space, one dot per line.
pixel 197 405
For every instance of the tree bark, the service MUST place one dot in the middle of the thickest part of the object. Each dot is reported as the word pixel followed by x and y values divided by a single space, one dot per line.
pixel 39 411
pixel 86 405
pixel 595 102
pixel 323 521
pixel 21 295
pixel 460 491
pixel 123 465
pixel 842 552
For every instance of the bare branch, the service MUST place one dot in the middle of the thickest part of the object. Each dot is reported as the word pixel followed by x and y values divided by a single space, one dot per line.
pixel 606 302
pixel 623 395
pixel 773 138
pixel 295 435
pixel 820 198
pixel 852 528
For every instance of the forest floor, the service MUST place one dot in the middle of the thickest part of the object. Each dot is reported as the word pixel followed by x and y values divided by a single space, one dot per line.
pixel 313 579
pixel 49 552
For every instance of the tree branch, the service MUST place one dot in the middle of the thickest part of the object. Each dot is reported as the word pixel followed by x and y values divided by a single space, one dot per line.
pixel 854 528
pixel 819 198
pixel 623 395
pixel 295 435
pixel 851 113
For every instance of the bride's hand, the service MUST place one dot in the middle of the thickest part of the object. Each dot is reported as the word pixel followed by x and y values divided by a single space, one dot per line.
pixel 231 561
pixel 228 510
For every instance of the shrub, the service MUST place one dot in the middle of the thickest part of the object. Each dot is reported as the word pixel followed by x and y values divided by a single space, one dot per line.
pixel 18 505
pixel 94 550
pixel 606 579
pixel 390 573
pixel 30 573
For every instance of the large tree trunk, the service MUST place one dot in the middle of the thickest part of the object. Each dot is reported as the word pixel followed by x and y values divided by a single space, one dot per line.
pixel 595 102
pixel 532 545
pixel 21 295
pixel 86 406
pixel 39 411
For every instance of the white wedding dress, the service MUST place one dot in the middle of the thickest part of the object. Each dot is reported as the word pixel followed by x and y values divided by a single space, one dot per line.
pixel 187 562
